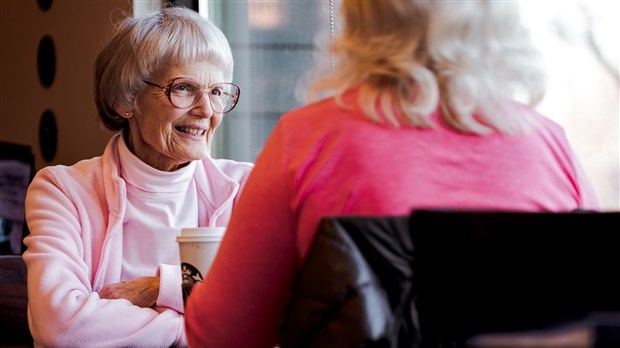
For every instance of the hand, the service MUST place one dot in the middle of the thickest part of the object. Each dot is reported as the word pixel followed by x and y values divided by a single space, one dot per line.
pixel 141 292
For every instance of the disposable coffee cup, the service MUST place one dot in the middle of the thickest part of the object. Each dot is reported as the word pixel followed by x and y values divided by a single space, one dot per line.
pixel 197 249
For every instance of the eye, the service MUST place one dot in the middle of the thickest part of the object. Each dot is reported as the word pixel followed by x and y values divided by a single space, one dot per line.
pixel 184 88
pixel 217 91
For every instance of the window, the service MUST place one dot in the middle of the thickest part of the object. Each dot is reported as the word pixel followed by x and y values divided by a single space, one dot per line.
pixel 273 46
pixel 578 40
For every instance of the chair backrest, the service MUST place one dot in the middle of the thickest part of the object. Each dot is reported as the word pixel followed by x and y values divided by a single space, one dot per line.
pixel 14 331
pixel 437 278
pixel 16 173
pixel 355 287
pixel 487 271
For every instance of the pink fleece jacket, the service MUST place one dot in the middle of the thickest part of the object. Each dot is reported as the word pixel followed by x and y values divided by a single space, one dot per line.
pixel 75 216
pixel 322 160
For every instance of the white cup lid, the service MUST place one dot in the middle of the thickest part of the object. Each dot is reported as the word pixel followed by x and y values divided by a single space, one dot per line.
pixel 212 232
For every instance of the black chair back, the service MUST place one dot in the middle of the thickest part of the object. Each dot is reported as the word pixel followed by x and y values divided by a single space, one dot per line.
pixel 488 271
pixel 437 278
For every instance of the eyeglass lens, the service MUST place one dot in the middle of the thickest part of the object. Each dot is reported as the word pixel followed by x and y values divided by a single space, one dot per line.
pixel 184 93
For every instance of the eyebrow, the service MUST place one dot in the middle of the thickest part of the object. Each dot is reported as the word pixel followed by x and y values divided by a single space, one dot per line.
pixel 211 81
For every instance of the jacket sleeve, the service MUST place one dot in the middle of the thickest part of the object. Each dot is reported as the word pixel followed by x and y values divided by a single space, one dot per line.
pixel 170 293
pixel 64 309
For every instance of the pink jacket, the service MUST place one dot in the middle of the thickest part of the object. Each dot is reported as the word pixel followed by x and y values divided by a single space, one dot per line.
pixel 322 160
pixel 75 216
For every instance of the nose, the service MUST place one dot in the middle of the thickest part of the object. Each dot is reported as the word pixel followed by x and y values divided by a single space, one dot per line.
pixel 204 108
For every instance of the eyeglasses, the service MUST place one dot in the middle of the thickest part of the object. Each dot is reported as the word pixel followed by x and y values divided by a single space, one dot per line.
pixel 183 92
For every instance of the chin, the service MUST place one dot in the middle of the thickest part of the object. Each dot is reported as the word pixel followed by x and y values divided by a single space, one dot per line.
pixel 198 155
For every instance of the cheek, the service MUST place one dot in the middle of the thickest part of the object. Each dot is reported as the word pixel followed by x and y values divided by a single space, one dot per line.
pixel 216 121
pixel 156 117
pixel 163 119
pixel 158 125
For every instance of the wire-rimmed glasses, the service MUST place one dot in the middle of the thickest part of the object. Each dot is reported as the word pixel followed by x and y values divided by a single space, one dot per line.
pixel 183 93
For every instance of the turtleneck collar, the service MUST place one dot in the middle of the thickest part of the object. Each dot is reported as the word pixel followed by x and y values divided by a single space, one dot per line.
pixel 148 179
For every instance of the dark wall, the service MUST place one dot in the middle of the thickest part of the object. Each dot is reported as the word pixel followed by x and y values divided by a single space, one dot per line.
pixel 38 81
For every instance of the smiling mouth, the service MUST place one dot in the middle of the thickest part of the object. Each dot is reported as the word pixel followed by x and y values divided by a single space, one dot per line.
pixel 192 131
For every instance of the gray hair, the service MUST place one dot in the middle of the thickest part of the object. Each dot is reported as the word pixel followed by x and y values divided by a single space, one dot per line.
pixel 410 56
pixel 141 47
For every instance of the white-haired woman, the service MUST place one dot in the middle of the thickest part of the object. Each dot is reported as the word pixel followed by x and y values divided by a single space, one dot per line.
pixel 103 263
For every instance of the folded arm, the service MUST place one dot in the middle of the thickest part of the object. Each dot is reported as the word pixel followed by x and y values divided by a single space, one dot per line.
pixel 63 255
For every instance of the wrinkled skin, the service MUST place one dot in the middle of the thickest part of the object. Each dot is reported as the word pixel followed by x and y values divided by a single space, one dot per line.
pixel 141 292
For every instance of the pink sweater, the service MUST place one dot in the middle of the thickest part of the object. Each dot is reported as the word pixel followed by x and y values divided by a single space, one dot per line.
pixel 321 160
pixel 75 247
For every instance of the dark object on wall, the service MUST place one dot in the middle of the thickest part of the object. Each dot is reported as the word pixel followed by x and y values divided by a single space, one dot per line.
pixel 16 173
pixel 48 135
pixel 46 61
pixel 44 4
pixel 14 331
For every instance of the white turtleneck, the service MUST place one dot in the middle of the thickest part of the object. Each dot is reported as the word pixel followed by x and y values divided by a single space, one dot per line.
pixel 159 204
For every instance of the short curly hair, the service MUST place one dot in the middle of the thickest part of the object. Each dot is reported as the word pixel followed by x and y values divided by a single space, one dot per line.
pixel 143 46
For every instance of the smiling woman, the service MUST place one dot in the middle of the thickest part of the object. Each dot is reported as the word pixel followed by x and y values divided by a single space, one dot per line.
pixel 103 232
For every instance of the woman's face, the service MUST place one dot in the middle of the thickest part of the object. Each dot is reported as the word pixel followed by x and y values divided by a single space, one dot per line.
pixel 166 137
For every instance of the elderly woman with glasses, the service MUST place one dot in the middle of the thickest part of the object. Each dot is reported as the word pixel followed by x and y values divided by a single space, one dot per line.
pixel 103 263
